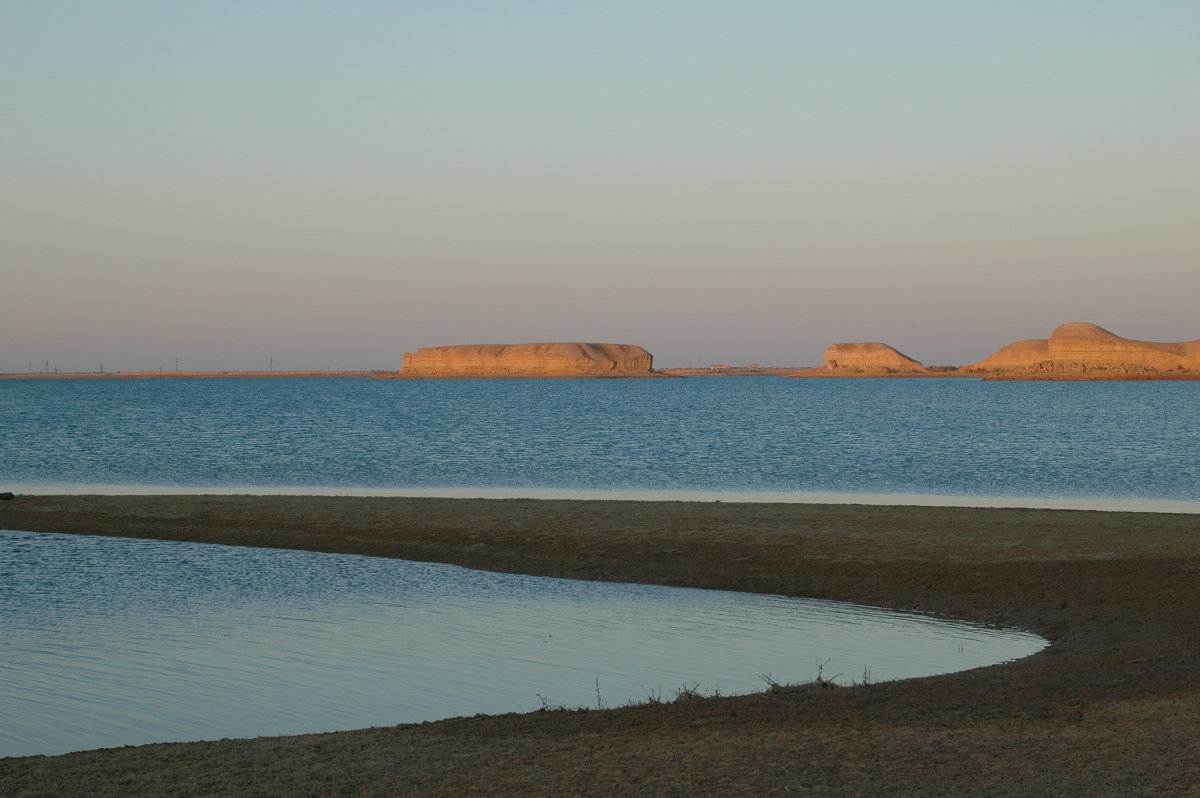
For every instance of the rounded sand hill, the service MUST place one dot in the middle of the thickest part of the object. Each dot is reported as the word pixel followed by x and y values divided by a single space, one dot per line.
pixel 869 356
pixel 528 360
pixel 1080 346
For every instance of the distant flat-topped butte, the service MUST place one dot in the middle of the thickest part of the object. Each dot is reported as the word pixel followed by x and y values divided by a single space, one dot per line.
pixel 873 356
pixel 1079 350
pixel 564 359
pixel 1074 351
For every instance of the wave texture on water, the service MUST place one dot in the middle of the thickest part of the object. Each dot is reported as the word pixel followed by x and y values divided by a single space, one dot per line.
pixel 114 641
pixel 942 438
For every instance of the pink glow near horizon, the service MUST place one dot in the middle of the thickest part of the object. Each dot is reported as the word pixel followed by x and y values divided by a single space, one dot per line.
pixel 327 186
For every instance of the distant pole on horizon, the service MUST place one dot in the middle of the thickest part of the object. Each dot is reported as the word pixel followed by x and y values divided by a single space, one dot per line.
pixel 272 362
pixel 177 364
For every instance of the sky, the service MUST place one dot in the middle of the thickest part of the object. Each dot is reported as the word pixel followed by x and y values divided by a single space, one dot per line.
pixel 307 185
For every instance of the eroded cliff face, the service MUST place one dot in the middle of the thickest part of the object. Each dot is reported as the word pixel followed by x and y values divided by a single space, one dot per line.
pixel 869 356
pixel 1080 342
pixel 534 360
pixel 1079 346
pixel 1016 355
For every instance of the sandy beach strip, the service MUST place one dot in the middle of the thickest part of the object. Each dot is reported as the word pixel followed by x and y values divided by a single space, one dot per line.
pixel 1112 707
pixel 185 375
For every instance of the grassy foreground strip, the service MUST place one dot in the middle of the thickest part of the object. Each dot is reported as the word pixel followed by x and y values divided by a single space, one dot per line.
pixel 1112 707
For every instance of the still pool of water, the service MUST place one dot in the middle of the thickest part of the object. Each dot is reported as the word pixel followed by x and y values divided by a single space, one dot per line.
pixel 113 641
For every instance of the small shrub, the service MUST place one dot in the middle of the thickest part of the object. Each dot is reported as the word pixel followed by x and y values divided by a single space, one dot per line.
pixel 689 693
pixel 549 706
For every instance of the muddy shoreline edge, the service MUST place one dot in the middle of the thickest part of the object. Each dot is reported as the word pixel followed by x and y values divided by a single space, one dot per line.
pixel 1111 707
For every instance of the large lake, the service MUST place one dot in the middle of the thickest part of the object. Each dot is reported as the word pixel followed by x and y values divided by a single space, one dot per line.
pixel 111 641
pixel 1131 442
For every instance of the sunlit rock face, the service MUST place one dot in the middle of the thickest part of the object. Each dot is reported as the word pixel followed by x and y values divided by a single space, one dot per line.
pixel 1080 342
pixel 869 356
pixel 1029 352
pixel 539 360
pixel 1080 345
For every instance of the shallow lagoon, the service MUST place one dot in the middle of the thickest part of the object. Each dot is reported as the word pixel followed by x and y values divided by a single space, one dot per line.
pixel 114 641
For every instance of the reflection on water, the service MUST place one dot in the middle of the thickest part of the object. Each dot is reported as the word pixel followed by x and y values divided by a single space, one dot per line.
pixel 111 641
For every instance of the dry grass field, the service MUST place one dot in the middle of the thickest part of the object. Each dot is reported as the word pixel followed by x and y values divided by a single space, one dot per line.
pixel 1112 707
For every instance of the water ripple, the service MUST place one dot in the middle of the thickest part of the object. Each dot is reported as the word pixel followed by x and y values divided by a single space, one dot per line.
pixel 112 641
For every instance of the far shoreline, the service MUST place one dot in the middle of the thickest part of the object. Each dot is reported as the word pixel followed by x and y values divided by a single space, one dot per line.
pixel 1076 503
pixel 182 375
pixel 775 372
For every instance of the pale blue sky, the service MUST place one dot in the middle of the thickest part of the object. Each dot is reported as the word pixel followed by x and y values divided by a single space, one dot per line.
pixel 333 183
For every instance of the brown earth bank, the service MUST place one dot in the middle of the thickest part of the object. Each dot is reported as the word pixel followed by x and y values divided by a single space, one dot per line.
pixel 1079 374
pixel 821 373
pixel 180 375
pixel 731 371
pixel 1112 707
pixel 647 375
pixel 1088 375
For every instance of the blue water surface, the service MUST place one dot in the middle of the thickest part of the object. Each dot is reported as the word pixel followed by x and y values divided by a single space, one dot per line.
pixel 1136 440
pixel 113 641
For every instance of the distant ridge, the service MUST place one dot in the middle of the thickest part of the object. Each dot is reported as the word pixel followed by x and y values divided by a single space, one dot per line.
pixel 868 357
pixel 1080 347
pixel 528 360
pixel 1077 350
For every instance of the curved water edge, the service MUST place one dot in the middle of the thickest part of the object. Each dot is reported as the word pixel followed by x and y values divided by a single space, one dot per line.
pixel 115 641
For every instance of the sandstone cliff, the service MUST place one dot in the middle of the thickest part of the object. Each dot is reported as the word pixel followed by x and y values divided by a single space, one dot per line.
pixel 1016 355
pixel 1079 346
pixel 532 360
pixel 869 356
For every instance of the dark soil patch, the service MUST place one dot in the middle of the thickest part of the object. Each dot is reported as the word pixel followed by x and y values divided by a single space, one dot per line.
pixel 1111 708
